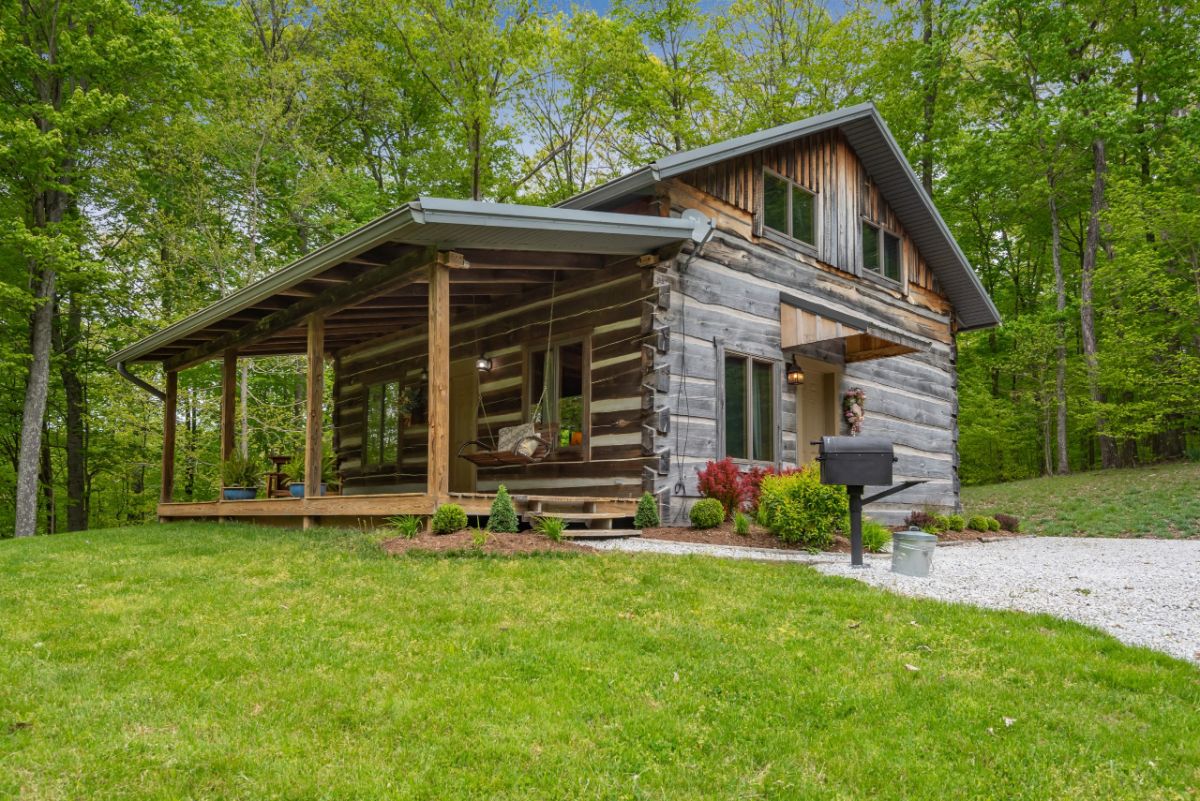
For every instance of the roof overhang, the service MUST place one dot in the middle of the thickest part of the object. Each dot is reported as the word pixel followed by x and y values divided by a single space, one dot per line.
pixel 445 225
pixel 880 154
pixel 808 328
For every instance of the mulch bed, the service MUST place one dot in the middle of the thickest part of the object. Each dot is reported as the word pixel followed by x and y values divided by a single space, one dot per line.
pixel 760 537
pixel 461 542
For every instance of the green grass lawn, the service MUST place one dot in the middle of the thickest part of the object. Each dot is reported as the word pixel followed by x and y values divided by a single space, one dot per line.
pixel 201 661
pixel 1158 501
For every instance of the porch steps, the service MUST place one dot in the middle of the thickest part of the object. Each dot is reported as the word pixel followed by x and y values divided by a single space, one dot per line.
pixel 572 511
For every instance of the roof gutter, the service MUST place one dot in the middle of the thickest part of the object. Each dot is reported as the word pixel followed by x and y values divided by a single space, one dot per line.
pixel 123 371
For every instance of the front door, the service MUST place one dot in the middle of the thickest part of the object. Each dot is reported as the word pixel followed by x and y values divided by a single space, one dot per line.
pixel 464 401
pixel 816 412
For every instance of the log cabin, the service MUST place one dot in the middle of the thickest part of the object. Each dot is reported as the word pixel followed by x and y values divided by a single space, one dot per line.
pixel 716 303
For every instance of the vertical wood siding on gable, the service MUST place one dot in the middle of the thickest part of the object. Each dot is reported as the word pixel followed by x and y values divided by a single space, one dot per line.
pixel 826 165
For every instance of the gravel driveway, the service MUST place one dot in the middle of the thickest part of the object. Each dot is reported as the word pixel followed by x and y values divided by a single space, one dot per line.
pixel 1143 592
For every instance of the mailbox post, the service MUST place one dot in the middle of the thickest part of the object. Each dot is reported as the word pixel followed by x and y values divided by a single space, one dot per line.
pixel 857 462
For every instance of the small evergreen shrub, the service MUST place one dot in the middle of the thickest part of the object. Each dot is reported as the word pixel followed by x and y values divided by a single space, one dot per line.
pixel 1008 523
pixel 741 523
pixel 993 524
pixel 502 518
pixel 448 519
pixel 978 523
pixel 799 508
pixel 723 482
pixel 407 526
pixel 707 513
pixel 550 527
pixel 955 522
pixel 647 512
pixel 875 536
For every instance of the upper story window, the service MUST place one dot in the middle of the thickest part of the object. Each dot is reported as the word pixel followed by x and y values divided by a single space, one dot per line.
pixel 789 208
pixel 881 252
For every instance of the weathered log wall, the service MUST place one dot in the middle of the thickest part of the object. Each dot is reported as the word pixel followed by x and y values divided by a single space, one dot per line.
pixel 728 298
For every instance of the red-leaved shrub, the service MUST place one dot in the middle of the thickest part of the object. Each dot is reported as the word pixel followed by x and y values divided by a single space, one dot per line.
pixel 752 483
pixel 723 481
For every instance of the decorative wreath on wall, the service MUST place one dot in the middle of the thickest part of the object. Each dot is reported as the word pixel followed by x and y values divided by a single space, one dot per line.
pixel 854 410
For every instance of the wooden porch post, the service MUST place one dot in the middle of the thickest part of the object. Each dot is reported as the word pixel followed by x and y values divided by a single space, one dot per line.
pixel 228 408
pixel 438 472
pixel 314 429
pixel 170 402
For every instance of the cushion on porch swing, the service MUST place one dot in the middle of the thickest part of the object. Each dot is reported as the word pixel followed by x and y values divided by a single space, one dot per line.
pixel 515 445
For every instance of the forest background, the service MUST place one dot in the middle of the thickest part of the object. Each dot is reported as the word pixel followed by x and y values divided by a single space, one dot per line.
pixel 156 156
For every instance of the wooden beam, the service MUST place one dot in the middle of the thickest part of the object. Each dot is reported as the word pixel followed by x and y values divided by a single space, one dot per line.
pixel 315 411
pixel 228 390
pixel 170 402
pixel 438 470
pixel 372 283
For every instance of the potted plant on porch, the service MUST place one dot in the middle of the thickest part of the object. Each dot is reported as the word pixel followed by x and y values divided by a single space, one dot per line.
pixel 328 475
pixel 239 478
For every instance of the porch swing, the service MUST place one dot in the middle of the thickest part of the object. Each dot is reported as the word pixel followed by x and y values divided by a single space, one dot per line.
pixel 526 443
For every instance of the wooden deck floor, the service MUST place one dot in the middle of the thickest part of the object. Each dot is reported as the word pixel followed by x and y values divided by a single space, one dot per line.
pixel 370 509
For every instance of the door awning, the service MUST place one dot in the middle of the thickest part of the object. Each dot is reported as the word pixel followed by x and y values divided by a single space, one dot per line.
pixel 808 326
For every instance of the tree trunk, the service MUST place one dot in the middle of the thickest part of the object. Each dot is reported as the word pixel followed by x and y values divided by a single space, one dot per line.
pixel 46 479
pixel 36 389
pixel 1060 350
pixel 928 99
pixel 77 500
pixel 1087 319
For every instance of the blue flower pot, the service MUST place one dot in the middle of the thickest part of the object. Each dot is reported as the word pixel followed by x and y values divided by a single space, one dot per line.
pixel 297 489
pixel 239 493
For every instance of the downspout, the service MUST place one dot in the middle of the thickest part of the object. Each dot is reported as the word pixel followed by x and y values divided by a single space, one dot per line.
pixel 123 371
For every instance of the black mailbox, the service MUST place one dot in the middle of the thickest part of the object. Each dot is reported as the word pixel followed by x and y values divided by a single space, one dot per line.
pixel 856 461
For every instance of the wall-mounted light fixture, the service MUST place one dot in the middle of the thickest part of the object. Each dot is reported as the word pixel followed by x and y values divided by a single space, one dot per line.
pixel 484 363
pixel 795 374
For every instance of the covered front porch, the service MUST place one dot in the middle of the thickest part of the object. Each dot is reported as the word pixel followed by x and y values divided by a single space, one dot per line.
pixel 401 306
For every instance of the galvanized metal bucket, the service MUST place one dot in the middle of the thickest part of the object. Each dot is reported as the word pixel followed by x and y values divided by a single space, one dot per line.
pixel 912 552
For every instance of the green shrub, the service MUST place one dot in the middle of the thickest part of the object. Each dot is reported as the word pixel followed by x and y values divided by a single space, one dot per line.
pixel 993 524
pixel 448 519
pixel 407 526
pixel 875 535
pixel 502 518
pixel 239 471
pixel 647 512
pixel 550 527
pixel 955 522
pixel 707 513
pixel 799 508
pixel 978 523
pixel 741 523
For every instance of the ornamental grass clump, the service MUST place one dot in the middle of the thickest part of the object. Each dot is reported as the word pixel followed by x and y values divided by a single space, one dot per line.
pixel 449 518
pixel 407 526
pixel 741 523
pixel 707 513
pixel 551 528
pixel 798 508
pixel 875 536
pixel 502 519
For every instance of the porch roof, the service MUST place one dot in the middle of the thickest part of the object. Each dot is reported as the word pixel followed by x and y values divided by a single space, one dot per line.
pixel 508 247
